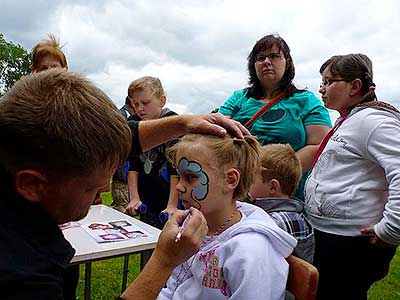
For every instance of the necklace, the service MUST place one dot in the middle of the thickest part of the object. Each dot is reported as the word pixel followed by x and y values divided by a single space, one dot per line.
pixel 222 227
pixel 148 164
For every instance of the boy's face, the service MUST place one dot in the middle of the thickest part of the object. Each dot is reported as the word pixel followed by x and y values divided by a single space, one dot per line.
pixel 70 199
pixel 47 62
pixel 146 105
pixel 201 184
pixel 259 189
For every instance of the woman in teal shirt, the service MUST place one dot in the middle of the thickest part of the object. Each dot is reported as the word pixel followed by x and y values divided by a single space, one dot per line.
pixel 298 119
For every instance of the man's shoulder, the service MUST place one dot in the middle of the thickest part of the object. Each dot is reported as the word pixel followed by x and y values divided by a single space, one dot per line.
pixel 34 243
pixel 29 252
pixel 28 273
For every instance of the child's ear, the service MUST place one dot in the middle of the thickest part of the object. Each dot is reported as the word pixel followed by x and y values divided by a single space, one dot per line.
pixel 163 100
pixel 232 177
pixel 30 184
pixel 274 187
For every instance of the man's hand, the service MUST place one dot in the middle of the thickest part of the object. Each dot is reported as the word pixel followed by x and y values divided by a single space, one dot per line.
pixel 171 253
pixel 152 133
pixel 216 124
pixel 168 254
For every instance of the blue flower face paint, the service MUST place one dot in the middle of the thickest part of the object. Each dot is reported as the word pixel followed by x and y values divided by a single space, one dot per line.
pixel 187 168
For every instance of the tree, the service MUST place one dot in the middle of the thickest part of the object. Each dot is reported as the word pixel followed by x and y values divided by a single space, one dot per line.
pixel 15 62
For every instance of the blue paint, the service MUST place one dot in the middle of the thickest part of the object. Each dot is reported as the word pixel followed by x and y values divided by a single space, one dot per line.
pixel 200 191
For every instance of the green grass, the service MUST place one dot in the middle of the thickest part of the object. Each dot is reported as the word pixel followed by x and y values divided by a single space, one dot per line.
pixel 107 276
pixel 389 287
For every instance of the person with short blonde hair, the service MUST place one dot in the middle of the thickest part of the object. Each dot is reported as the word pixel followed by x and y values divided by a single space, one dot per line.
pixel 279 161
pixel 151 179
pixel 243 254
pixel 146 82
pixel 48 54
pixel 61 140
pixel 272 191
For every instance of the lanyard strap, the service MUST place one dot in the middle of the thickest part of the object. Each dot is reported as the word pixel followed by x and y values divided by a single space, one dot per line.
pixel 263 109
pixel 326 139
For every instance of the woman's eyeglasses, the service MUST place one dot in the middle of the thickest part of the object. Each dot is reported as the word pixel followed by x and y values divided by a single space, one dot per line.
pixel 328 82
pixel 260 58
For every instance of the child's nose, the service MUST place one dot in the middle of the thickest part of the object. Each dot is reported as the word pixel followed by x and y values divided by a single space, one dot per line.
pixel 179 187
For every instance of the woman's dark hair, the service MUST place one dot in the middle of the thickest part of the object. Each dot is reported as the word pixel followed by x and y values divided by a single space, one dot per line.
pixel 350 67
pixel 286 85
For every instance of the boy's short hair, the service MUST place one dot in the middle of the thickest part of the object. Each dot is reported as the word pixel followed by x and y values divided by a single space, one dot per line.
pixel 242 154
pixel 61 124
pixel 279 161
pixel 48 47
pixel 152 83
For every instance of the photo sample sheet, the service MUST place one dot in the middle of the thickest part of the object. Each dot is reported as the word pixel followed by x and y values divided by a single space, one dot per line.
pixel 119 230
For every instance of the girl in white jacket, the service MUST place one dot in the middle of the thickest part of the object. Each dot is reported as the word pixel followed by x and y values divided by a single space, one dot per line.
pixel 243 255
pixel 353 192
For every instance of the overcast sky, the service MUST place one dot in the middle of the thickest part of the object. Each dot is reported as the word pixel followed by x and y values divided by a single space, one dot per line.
pixel 198 49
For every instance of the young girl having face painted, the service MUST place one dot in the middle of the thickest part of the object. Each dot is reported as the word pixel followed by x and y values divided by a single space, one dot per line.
pixel 243 255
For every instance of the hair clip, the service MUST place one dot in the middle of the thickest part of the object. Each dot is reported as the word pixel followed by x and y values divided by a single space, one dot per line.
pixel 372 87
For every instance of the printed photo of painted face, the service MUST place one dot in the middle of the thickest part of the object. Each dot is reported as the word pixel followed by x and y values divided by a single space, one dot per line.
pixel 201 181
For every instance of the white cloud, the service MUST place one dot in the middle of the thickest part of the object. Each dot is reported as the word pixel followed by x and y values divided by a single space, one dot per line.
pixel 186 86
pixel 199 48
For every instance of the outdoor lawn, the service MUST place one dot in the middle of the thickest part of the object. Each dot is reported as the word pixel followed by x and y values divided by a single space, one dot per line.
pixel 107 277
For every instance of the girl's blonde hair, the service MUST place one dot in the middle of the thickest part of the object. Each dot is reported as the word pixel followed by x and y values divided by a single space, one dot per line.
pixel 241 154
pixel 152 83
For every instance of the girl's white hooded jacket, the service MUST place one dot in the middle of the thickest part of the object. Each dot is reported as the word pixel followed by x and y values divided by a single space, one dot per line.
pixel 356 181
pixel 246 261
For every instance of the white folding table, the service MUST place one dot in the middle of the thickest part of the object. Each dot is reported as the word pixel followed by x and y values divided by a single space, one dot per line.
pixel 88 250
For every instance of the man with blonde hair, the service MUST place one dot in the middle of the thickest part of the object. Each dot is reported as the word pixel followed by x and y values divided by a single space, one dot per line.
pixel 61 139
